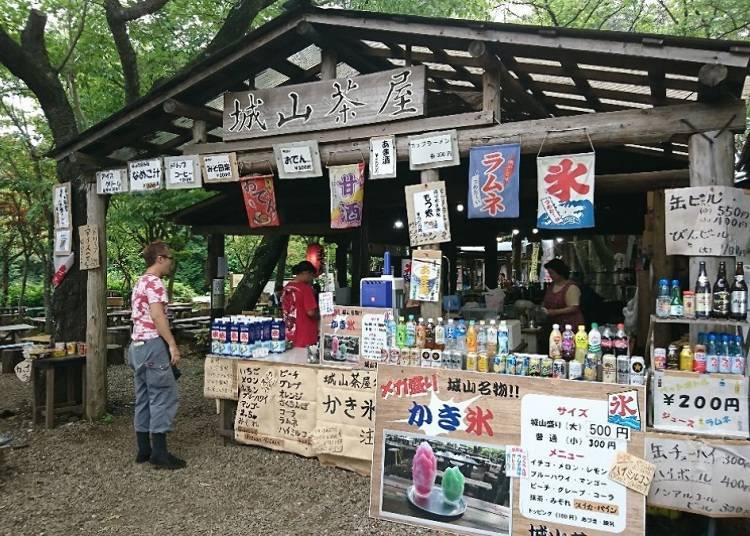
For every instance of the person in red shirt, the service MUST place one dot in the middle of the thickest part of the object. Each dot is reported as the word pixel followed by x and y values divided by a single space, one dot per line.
pixel 300 307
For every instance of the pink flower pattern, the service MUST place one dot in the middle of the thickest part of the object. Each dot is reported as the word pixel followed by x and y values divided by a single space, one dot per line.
pixel 148 290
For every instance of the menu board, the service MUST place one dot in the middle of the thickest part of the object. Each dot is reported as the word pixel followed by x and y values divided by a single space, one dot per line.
pixel 220 378
pixel 61 205
pixel 344 341
pixel 427 212
pixel 112 181
pixel 374 334
pixel 710 477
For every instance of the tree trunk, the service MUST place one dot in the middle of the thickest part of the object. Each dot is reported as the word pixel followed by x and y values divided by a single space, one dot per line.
pixel 265 258
pixel 24 280
pixel 5 279
pixel 281 266
pixel 170 290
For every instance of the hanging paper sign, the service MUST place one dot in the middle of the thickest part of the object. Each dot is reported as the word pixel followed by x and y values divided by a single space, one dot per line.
pixel 565 186
pixel 89 247
pixel 427 210
pixel 220 168
pixel 260 201
pixel 145 175
pixel 112 181
pixel 182 172
pixel 298 160
pixel 434 150
pixel 425 275
pixel 325 303
pixel 493 181
pixel 383 157
pixel 63 241
pixel 63 264
pixel 374 335
pixel 347 194
pixel 61 195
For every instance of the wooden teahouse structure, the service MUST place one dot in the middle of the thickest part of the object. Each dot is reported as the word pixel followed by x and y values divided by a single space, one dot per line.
pixel 660 111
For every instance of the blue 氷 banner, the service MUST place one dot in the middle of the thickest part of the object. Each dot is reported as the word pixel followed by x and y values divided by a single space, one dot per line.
pixel 493 181
pixel 565 188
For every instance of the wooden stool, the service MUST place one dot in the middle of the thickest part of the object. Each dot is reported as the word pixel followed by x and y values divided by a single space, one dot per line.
pixel 48 368
pixel 10 357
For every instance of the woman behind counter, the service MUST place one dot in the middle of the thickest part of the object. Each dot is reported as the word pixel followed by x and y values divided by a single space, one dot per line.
pixel 562 299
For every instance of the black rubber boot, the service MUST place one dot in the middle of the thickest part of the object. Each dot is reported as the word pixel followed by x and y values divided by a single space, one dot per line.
pixel 160 458
pixel 144 447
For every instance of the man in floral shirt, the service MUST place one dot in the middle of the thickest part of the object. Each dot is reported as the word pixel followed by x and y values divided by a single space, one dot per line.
pixel 152 354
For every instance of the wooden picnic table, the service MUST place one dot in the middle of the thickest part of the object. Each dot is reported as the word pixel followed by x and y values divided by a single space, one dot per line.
pixel 192 320
pixel 119 317
pixel 43 338
pixel 39 320
pixel 13 332
pixel 73 400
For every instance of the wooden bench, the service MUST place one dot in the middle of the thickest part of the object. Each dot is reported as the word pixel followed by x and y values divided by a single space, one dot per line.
pixel 58 386
pixel 115 354
pixel 118 335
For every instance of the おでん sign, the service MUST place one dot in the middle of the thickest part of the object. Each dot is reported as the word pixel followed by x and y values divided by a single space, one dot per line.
pixel 298 160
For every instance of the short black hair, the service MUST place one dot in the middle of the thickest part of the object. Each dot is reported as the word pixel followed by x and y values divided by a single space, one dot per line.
pixel 304 266
pixel 559 267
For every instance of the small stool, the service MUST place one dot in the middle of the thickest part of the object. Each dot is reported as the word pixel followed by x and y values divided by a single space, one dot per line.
pixel 48 367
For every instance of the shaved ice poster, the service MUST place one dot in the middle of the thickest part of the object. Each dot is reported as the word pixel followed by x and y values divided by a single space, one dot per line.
pixel 565 188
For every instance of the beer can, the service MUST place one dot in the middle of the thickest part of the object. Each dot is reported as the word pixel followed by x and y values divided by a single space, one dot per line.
pixel 591 367
pixel 609 368
pixel 426 358
pixel 575 370
pixel 498 364
pixel 623 369
pixel 458 360
pixel 483 362
pixel 437 358
pixel 394 356
pixel 522 365
pixel 511 362
pixel 660 358
pixel 547 367
pixel 471 361
pixel 559 369
pixel 637 370
pixel 415 358
pixel 70 348
pixel 405 357
pixel 535 366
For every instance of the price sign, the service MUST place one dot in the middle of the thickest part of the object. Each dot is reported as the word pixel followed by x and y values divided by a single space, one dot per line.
pixel 112 181
pixel 182 172
pixel 298 160
pixel 220 168
pixel 435 150
pixel 145 175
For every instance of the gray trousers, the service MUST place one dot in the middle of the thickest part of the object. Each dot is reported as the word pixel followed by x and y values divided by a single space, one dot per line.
pixel 156 399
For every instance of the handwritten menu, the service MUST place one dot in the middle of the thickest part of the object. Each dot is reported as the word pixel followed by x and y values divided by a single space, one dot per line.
pixel 89 245
pixel 383 157
pixel 707 220
pixel 61 194
pixel 220 378
pixel 705 476
pixel 182 172
pixel 706 404
pixel 145 175
pixel 220 168
pixel 112 181
pixel 295 406
pixel 427 212
pixel 374 335
pixel 327 440
pixel 571 448
pixel 437 149
pixel 632 472
pixel 254 421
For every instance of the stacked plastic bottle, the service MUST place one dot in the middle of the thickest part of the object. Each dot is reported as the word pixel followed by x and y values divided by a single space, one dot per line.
pixel 247 336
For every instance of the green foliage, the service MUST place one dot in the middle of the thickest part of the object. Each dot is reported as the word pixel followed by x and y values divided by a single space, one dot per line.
pixel 33 297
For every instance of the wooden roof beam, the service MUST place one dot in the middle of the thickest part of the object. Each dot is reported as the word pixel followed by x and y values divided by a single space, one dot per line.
pixel 362 64
pixel 527 83
pixel 462 72
pixel 581 83
pixel 199 113
pixel 596 93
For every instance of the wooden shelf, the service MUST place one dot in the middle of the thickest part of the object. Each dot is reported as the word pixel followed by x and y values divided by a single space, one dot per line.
pixel 706 321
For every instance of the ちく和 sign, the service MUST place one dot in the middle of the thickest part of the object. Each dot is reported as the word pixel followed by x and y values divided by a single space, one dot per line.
pixel 220 168
pixel 434 150
pixel 145 175
pixel 183 172
pixel 112 181
pixel 427 211
pixel 383 157
pixel 298 160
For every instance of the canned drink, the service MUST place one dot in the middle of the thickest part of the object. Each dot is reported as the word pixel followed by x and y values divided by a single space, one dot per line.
pixel 437 358
pixel 458 360
pixel 483 362
pixel 522 365
pixel 559 369
pixel 405 356
pixel 511 363
pixel 623 369
pixel 70 348
pixel 471 361
pixel 535 366
pixel 637 370
pixel 660 358
pixel 591 367
pixel 426 357
pixel 81 348
pixel 498 364
pixel 415 358
pixel 575 370
pixel 394 356
pixel 609 368
pixel 547 367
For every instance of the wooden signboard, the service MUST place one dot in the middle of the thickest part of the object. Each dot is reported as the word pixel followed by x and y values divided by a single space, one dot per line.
pixel 220 168
pixel 427 212
pixel 298 160
pixel 220 378
pixel 463 422
pixel 704 476
pixel 89 247
pixel 112 181
pixel 61 199
pixel 182 172
pixel 342 102
pixel 433 150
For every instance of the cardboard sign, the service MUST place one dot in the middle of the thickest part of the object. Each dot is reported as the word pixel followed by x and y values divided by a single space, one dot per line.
pixel 340 336
pixel 632 472
pixel 219 168
pixel 298 160
pixel 427 212
pixel 145 175
pixel 183 172
pixel 565 189
pixel 327 440
pixel 493 181
pixel 468 419
pixel 424 284
pixel 63 241
pixel 89 247
pixel 707 220
pixel 705 404
pixel 343 102
pixel 112 181
pixel 220 378
pixel 383 157
pixel 260 201
pixel 325 303
pixel 705 476
pixel 347 195
pixel 61 199
pixel 433 150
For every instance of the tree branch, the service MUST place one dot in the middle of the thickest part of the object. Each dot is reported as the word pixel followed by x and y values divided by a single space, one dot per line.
pixel 128 60
pixel 74 42
pixel 141 9
pixel 240 17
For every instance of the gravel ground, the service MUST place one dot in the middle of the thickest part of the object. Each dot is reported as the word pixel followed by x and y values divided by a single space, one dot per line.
pixel 80 478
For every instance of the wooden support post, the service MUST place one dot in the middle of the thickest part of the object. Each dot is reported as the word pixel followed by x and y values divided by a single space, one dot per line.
pixel 96 311
pixel 215 251
pixel 662 265
pixel 491 90
pixel 490 262
pixel 517 246
pixel 341 253
pixel 431 309
pixel 200 133
pixel 328 63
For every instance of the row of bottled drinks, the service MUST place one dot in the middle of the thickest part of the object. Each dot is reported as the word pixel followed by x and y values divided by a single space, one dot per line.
pixel 720 301
pixel 469 336
pixel 714 352
pixel 247 336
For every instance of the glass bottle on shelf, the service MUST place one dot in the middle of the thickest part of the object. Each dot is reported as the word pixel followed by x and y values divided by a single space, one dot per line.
pixel 738 293
pixel 702 293
pixel 721 293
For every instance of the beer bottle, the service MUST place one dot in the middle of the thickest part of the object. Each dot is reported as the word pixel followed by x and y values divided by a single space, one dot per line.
pixel 721 293
pixel 702 293
pixel 738 304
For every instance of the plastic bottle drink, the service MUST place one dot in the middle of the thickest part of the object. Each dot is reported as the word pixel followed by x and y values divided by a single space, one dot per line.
pixel 461 335
pixel 595 341
pixel 673 358
pixel 481 337
pixel 738 356
pixel 401 333
pixel 712 354
pixel 738 294
pixel 621 343
pixel 725 358
pixel 555 342
pixel 567 345
pixel 675 303
pixel 421 333
pixel 411 332
pixel 492 338
pixel 429 337
pixel 392 332
pixel 450 335
pixel 699 358
pixel 471 337
pixel 440 334
pixel 663 299
pixel 686 358
pixel 582 344
pixel 608 343
pixel 503 344
pixel 702 293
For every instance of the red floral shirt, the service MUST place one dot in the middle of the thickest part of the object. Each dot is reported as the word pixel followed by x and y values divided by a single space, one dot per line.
pixel 148 290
